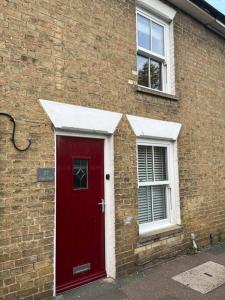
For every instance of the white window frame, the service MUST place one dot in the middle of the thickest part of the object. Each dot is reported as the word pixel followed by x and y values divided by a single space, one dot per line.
pixel 173 205
pixel 167 59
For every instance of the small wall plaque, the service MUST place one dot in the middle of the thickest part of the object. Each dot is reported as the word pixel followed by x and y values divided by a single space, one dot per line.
pixel 45 174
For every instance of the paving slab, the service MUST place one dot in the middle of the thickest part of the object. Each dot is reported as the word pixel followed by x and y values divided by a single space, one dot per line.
pixel 203 278
pixel 155 283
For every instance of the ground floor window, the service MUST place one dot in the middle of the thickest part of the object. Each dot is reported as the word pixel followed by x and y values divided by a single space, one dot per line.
pixel 155 184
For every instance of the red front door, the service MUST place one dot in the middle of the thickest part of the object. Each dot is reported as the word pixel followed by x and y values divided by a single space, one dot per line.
pixel 80 245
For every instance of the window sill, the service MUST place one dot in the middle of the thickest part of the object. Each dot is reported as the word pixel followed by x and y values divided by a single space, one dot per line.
pixel 160 94
pixel 158 234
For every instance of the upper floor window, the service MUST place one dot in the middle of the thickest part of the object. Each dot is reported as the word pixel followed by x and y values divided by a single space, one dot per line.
pixel 153 60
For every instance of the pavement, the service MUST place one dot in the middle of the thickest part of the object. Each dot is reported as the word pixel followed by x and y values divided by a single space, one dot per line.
pixel 154 283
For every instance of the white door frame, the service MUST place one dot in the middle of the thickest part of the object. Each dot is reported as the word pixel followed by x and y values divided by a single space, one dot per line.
pixel 110 259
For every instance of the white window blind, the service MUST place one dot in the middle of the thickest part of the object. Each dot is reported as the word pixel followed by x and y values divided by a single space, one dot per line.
pixel 153 182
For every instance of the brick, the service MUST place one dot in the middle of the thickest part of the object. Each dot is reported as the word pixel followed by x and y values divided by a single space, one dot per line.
pixel 44 295
pixel 22 278
pixel 4 274
pixel 3 291
pixel 9 281
pixel 27 292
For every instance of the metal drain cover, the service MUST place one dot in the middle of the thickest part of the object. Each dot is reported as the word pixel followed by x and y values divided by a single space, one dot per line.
pixel 203 278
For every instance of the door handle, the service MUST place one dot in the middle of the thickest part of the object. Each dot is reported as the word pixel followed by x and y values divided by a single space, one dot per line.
pixel 102 204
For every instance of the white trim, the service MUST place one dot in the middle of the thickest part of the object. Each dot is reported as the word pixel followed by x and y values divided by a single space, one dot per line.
pixel 176 200
pixel 153 18
pixel 173 198
pixel 77 118
pixel 165 12
pixel 110 257
pixel 149 227
pixel 151 128
pixel 171 60
pixel 201 15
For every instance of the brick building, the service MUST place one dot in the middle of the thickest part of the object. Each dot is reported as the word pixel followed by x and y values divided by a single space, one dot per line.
pixel 132 128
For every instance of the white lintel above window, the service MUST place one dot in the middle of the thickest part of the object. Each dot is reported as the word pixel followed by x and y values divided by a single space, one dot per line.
pixel 165 12
pixel 151 128
pixel 79 118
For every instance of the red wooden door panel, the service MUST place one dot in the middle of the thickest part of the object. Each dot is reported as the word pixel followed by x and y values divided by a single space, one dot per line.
pixel 80 245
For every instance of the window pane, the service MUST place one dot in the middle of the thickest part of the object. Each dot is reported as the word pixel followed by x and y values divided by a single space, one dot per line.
pixel 143 32
pixel 156 75
pixel 160 163
pixel 157 38
pixel 80 173
pixel 159 202
pixel 151 203
pixel 143 70
pixel 144 204
pixel 145 163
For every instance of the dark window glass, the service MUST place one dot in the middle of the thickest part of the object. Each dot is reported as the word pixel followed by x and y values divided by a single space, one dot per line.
pixel 145 208
pixel 156 75
pixel 143 70
pixel 159 202
pixel 160 163
pixel 152 203
pixel 80 174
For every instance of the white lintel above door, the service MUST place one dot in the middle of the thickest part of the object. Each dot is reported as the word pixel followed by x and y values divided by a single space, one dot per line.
pixel 80 118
